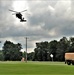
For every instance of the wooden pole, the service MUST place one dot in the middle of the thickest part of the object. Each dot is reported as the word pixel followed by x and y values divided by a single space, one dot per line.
pixel 26 49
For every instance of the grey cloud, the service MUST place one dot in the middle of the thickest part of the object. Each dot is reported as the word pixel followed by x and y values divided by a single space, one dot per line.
pixel 49 19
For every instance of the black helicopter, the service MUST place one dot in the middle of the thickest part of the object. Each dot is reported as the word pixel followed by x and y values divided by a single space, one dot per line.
pixel 19 15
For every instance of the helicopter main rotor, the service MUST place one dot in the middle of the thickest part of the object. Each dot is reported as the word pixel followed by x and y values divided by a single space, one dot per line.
pixel 18 15
pixel 16 11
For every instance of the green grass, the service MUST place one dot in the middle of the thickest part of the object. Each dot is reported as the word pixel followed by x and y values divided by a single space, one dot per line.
pixel 35 68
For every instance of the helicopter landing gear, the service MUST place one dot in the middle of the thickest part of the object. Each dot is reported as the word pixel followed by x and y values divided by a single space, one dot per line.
pixel 22 20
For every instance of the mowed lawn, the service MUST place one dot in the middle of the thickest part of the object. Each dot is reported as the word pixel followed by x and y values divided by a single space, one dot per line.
pixel 35 68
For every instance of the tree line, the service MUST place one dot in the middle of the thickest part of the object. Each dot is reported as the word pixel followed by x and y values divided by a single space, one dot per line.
pixel 42 52
pixel 58 49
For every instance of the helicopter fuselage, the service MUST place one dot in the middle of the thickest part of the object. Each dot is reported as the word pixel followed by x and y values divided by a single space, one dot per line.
pixel 19 15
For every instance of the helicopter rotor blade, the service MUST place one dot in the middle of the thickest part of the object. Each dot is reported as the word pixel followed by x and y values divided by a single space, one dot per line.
pixel 12 10
pixel 23 10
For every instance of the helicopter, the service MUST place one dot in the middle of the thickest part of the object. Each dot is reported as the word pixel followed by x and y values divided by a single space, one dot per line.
pixel 19 15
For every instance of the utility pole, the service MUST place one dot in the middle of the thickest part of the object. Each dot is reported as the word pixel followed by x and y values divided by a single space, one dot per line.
pixel 26 49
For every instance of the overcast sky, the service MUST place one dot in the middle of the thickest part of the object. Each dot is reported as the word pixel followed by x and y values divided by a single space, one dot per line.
pixel 46 20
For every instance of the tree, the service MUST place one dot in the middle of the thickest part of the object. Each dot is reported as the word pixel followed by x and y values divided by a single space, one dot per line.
pixel 30 56
pixel 62 48
pixel 53 48
pixel 41 51
pixel 11 51
pixel 71 46
pixel 1 56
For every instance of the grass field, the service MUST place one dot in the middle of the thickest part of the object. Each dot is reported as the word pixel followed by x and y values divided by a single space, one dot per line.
pixel 35 68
